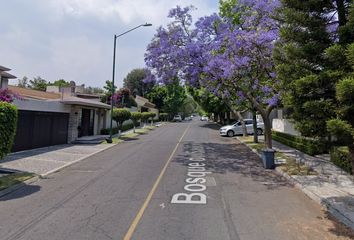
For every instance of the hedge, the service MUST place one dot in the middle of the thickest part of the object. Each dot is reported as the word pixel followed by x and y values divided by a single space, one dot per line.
pixel 125 127
pixel 309 146
pixel 340 157
pixel 8 124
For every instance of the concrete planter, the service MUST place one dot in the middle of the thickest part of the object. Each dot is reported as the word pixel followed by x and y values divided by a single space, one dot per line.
pixel 268 158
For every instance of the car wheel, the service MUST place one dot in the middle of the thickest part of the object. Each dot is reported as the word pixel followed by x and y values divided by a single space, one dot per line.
pixel 259 131
pixel 230 133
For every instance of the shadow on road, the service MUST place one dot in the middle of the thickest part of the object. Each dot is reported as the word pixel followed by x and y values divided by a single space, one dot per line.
pixel 210 125
pixel 20 193
pixel 235 158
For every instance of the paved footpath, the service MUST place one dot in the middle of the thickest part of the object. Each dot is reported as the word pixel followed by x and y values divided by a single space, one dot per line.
pixel 47 160
pixel 44 161
pixel 332 187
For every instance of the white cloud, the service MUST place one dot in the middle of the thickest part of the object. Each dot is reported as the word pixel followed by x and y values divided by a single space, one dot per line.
pixel 128 11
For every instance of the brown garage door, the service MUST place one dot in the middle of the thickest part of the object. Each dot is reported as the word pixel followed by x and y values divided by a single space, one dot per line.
pixel 40 129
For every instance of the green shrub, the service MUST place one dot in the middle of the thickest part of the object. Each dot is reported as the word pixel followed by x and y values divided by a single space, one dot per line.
pixel 120 115
pixel 125 127
pixel 136 117
pixel 340 157
pixel 145 116
pixel 105 131
pixel 8 124
pixel 309 146
pixel 163 116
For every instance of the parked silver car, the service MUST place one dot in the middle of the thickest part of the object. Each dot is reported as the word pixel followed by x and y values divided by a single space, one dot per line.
pixel 236 128
pixel 177 118
pixel 204 118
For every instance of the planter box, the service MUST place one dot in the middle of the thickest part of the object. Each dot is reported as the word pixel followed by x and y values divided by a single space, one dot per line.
pixel 268 158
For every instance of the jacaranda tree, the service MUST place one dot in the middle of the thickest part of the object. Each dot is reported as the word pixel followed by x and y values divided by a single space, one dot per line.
pixel 232 61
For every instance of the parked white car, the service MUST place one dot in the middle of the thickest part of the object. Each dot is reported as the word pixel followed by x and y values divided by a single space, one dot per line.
pixel 177 118
pixel 236 128
pixel 204 118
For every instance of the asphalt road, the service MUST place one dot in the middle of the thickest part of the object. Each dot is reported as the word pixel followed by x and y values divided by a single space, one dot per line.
pixel 142 189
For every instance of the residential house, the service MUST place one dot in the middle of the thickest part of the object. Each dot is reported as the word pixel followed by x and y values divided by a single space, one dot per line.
pixel 5 76
pixel 58 116
pixel 143 105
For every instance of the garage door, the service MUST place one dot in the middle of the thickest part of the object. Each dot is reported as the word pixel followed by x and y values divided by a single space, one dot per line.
pixel 40 129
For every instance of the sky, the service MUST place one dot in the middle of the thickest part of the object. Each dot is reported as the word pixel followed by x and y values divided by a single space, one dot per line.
pixel 73 39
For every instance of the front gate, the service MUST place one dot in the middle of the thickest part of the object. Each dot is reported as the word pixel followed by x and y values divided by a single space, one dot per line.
pixel 40 129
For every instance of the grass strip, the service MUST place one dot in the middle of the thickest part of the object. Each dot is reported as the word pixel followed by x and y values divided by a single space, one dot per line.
pixel 290 165
pixel 13 179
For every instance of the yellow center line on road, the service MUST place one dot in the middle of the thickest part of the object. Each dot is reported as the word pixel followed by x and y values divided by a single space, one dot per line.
pixel 138 217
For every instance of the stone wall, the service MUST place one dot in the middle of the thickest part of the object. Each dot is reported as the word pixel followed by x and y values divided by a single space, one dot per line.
pixel 74 122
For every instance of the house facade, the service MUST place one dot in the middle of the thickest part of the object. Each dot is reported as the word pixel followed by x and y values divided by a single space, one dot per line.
pixel 50 118
pixel 5 76
pixel 58 116
pixel 143 105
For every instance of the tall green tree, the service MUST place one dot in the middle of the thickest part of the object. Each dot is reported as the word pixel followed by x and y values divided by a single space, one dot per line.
pixel 60 83
pixel 168 98
pixel 23 82
pixel 157 95
pixel 175 98
pixel 308 87
pixel 38 83
pixel 135 82
pixel 209 102
pixel 108 89
pixel 341 61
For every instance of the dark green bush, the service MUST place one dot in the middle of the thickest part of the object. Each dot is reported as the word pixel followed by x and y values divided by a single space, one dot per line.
pixel 125 127
pixel 105 131
pixel 8 124
pixel 340 157
pixel 309 146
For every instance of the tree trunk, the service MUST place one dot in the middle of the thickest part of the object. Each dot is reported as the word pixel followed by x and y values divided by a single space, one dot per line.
pixel 221 119
pixel 267 132
pixel 228 117
pixel 341 12
pixel 255 134
pixel 240 118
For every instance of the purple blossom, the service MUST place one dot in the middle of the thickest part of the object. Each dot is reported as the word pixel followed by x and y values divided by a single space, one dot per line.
pixel 266 89
pixel 218 55
pixel 8 96
pixel 274 100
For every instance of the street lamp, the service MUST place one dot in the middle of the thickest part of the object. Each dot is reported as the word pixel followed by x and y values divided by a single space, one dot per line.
pixel 109 140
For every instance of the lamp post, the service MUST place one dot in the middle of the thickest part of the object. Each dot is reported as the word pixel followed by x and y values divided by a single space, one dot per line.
pixel 109 140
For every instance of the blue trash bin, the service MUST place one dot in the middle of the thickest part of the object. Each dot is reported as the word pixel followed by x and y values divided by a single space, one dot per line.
pixel 268 158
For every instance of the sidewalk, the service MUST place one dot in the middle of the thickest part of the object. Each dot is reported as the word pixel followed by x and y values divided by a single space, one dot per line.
pixel 332 187
pixel 44 161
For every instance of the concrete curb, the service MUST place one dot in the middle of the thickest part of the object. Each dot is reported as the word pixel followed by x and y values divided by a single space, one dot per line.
pixel 315 197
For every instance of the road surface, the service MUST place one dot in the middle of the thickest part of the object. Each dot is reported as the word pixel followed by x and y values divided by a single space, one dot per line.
pixel 180 181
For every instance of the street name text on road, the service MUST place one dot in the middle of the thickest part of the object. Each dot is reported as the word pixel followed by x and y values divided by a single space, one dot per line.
pixel 195 183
